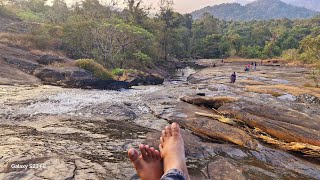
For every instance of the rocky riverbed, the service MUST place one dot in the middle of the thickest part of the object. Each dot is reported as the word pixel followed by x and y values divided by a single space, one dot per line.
pixel 84 134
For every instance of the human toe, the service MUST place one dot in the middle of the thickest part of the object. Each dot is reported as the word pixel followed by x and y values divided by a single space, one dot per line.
pixel 175 129
pixel 134 158
pixel 168 131
pixel 143 152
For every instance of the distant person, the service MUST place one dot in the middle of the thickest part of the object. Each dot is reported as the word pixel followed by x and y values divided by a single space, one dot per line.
pixel 168 164
pixel 255 66
pixel 261 63
pixel 247 68
pixel 222 61
pixel 233 78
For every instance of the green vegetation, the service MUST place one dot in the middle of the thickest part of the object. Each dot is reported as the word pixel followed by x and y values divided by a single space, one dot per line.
pixel 97 69
pixel 131 39
pixel 314 76
pixel 31 16
pixel 308 52
pixel 118 71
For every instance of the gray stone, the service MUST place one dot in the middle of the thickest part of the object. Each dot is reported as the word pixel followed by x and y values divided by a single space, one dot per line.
pixel 54 74
pixel 22 64
pixel 51 59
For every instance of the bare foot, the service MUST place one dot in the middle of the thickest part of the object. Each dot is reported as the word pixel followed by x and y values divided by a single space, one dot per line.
pixel 172 150
pixel 148 165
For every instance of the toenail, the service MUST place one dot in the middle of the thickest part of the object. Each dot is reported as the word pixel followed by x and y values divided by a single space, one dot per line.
pixel 131 152
pixel 174 125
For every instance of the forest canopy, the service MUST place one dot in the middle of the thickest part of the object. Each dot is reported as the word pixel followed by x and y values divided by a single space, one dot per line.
pixel 132 37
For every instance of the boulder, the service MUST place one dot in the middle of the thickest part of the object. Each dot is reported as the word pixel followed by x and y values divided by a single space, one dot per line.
pixel 145 79
pixel 21 64
pixel 55 74
pixel 97 84
pixel 74 77
pixel 51 59
pixel 211 102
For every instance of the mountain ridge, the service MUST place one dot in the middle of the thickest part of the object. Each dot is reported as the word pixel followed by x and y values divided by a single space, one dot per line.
pixel 256 10
pixel 309 4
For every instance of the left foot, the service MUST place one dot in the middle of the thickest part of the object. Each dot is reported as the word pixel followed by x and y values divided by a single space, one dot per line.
pixel 148 165
pixel 172 150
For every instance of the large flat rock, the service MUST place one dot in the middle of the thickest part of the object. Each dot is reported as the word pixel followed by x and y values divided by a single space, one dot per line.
pixel 284 124
pixel 184 114
pixel 10 76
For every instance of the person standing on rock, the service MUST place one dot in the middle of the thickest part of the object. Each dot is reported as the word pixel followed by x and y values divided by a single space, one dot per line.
pixel 149 165
pixel 255 66
pixel 233 78
pixel 248 67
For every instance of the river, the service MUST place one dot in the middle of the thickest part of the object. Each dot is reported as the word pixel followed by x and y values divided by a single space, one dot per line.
pixel 84 134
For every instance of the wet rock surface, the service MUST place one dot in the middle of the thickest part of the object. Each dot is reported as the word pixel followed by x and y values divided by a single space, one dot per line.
pixel 74 77
pixel 145 79
pixel 84 134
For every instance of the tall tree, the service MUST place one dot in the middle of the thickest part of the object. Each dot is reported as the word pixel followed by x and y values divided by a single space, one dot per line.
pixel 135 11
pixel 58 12
pixel 165 18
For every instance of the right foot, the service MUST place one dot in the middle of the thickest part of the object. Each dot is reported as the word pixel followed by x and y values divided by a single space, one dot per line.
pixel 172 150
pixel 148 165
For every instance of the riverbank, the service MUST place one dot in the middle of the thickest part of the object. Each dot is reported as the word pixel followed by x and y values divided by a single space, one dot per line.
pixel 84 134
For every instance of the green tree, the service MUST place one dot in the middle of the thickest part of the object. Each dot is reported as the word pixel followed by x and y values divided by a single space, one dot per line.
pixel 165 18
pixel 114 41
pixel 37 6
pixel 59 12
pixel 311 49
pixel 271 49
pixel 208 47
pixel 77 38
pixel 135 12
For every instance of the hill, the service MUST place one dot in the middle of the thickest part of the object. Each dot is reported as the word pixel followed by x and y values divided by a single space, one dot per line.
pixel 257 10
pixel 309 4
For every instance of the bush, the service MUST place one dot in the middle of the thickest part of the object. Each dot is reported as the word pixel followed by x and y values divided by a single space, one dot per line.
pixel 252 52
pixel 4 11
pixel 29 41
pixel 144 58
pixel 291 54
pixel 311 49
pixel 118 72
pixel 315 76
pixel 31 16
pixel 97 69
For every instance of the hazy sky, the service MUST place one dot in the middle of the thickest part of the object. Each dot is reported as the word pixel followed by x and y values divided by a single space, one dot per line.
pixel 185 6
pixel 182 6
